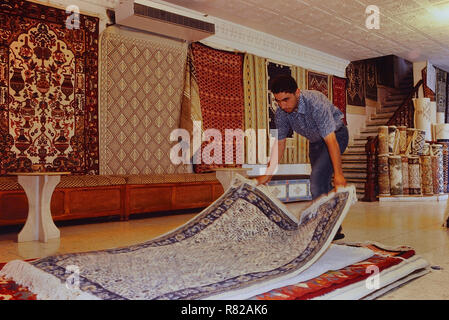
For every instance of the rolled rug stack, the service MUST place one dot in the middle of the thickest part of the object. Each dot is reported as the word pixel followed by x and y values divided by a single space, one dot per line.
pixel 442 137
pixel 437 151
pixel 414 175
pixel 408 165
pixel 405 183
pixel 395 168
pixel 423 116
pixel 418 141
pixel 383 135
pixel 383 175
pixel 402 139
pixel 382 165
pixel 426 175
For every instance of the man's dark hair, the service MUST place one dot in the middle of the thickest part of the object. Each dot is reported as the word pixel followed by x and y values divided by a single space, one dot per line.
pixel 284 83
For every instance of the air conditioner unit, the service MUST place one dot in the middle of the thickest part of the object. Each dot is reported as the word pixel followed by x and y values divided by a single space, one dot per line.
pixel 155 20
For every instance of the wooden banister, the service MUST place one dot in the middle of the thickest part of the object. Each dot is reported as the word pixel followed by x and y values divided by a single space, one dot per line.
pixel 403 116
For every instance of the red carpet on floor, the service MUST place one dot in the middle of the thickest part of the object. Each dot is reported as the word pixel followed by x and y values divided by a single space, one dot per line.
pixel 9 290
pixel 335 279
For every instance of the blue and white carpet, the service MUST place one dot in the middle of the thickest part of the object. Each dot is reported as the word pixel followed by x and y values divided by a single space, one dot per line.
pixel 243 244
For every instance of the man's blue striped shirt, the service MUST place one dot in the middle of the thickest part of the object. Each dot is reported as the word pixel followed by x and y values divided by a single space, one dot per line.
pixel 315 118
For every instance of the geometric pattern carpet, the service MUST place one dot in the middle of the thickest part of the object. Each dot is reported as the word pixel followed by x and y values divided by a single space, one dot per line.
pixel 141 84
pixel 355 73
pixel 318 82
pixel 220 81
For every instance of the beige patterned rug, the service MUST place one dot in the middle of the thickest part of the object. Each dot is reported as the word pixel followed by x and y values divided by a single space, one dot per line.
pixel 245 243
pixel 141 85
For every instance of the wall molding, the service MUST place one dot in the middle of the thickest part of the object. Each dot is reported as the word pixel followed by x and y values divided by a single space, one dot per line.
pixel 237 37
pixel 231 36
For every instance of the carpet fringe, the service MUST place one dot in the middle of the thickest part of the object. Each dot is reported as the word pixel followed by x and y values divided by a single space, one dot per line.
pixel 44 285
pixel 397 247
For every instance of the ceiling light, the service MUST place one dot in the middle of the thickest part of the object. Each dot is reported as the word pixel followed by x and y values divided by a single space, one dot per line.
pixel 440 13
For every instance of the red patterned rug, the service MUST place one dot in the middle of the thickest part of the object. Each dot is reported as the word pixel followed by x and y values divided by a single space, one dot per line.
pixel 220 81
pixel 9 290
pixel 339 94
pixel 332 280
pixel 48 89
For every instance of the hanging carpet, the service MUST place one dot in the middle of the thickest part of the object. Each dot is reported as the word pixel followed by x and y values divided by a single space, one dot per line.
pixel 339 95
pixel 355 73
pixel 141 87
pixel 220 81
pixel 319 82
pixel 371 80
pixel 48 89
pixel 243 244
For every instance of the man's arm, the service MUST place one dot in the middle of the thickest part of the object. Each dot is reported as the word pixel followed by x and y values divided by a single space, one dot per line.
pixel 335 155
pixel 277 152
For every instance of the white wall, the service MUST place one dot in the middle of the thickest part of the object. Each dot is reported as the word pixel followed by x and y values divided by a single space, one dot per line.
pixel 357 117
pixel 355 123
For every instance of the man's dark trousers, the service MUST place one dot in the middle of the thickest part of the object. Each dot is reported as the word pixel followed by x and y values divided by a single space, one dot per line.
pixel 321 163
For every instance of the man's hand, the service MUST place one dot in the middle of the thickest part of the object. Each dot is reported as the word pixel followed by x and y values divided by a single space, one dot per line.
pixel 263 179
pixel 277 152
pixel 339 181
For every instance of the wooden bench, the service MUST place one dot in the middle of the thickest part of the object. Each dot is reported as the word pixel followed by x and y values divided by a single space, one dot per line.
pixel 151 193
pixel 89 196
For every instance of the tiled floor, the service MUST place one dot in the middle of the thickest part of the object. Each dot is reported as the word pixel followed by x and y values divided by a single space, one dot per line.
pixel 416 224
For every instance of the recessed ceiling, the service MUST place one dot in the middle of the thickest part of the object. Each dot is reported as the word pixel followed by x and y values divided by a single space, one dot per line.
pixel 416 30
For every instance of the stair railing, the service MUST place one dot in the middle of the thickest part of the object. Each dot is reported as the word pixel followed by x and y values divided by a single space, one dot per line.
pixel 403 116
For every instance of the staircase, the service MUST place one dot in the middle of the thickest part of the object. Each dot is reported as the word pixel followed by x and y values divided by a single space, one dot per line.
pixel 354 159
